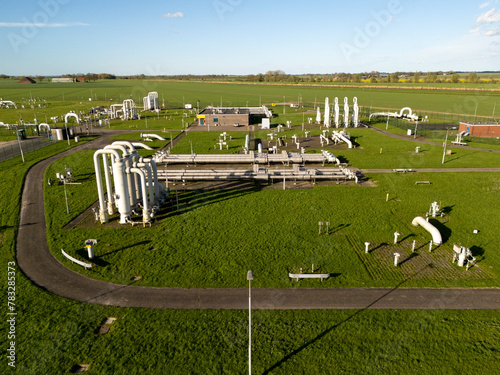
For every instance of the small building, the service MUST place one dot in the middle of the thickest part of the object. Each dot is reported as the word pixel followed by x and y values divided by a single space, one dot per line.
pixel 26 80
pixel 62 80
pixel 232 116
pixel 81 80
pixel 480 129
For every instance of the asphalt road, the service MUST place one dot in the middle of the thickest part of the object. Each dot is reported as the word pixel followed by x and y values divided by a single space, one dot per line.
pixel 45 271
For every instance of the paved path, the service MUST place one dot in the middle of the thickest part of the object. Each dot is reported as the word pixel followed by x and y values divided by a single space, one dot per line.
pixel 40 266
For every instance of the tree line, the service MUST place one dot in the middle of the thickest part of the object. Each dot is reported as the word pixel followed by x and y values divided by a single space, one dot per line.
pixel 280 76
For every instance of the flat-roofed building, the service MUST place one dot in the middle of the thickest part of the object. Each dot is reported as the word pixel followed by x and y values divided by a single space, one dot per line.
pixel 223 116
pixel 480 129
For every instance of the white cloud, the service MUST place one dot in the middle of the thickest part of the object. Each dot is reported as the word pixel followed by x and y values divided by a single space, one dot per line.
pixel 493 32
pixel 174 15
pixel 474 31
pixel 483 5
pixel 29 24
pixel 489 16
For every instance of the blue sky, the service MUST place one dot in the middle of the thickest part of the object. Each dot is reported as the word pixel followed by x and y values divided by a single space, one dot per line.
pixel 52 37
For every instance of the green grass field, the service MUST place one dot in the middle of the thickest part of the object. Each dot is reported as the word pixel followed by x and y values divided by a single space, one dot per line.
pixel 175 94
pixel 218 235
pixel 283 224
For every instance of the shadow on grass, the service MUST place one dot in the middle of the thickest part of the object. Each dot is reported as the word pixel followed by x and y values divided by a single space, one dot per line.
pixel 477 252
pixel 412 255
pixel 331 329
pixel 408 236
pixel 145 242
pixel 338 228
pixel 379 246
pixel 446 210
pixel 445 231
pixel 97 261
pixel 183 201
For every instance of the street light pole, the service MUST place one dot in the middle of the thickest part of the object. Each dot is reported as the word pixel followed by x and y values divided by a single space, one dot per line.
pixel 444 148
pixel 249 278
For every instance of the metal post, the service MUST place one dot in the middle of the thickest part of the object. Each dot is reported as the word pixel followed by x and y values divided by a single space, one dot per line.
pixel 66 196
pixel 67 132
pixel 444 149
pixel 249 278
pixel 18 141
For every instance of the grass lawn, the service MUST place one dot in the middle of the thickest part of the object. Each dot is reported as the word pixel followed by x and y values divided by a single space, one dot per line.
pixel 208 242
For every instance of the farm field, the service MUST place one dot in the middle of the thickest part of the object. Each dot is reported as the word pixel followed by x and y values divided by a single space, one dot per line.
pixel 218 235
pixel 175 94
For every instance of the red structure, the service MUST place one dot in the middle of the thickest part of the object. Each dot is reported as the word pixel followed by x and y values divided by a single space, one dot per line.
pixel 26 80
pixel 483 130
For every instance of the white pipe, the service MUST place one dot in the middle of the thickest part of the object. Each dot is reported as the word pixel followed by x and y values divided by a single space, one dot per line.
pixel 145 209
pixel 132 180
pixel 100 191
pixel 128 163
pixel 153 136
pixel 107 177
pixel 327 112
pixel 346 112
pixel 337 112
pixel 343 138
pixel 149 180
pixel 141 145
pixel 43 124
pixel 154 169
pixel 436 236
pixel 122 191
pixel 71 115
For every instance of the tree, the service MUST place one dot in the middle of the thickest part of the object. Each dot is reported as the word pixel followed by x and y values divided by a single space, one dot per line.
pixel 373 79
pixel 472 77
pixel 39 78
pixel 455 78
pixel 416 77
pixel 395 77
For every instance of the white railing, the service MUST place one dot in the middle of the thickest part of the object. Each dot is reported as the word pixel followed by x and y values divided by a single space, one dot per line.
pixel 298 276
pixel 73 260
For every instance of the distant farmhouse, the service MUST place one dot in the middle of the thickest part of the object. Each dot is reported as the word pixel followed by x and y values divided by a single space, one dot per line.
pixel 478 129
pixel 63 80
pixel 68 80
pixel 26 80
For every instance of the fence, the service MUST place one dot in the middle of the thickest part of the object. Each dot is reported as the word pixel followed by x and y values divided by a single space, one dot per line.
pixel 9 150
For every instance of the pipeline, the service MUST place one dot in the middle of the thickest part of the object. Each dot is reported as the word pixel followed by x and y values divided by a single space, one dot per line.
pixel 153 136
pixel 436 235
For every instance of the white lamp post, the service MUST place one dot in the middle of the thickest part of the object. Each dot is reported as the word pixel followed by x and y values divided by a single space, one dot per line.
pixel 249 278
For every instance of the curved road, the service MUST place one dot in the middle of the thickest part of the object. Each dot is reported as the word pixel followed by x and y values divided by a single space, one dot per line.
pixel 45 271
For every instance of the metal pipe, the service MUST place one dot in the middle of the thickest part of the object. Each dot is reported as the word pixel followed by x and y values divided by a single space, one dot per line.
pixel 141 145
pixel 121 189
pixel 149 183
pixel 145 210
pixel 100 191
pixel 107 177
pixel 153 136
pixel 436 235
pixel 154 169
pixel 128 163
